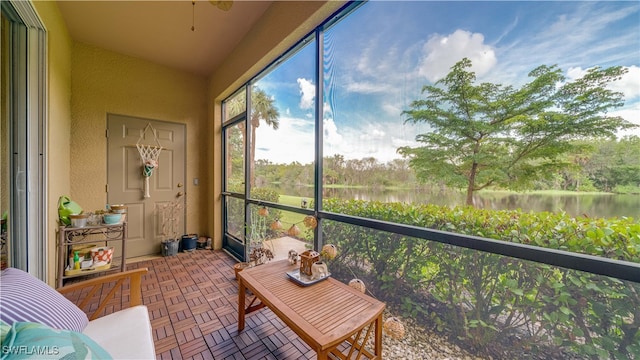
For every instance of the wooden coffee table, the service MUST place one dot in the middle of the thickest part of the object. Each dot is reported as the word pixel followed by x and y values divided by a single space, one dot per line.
pixel 324 315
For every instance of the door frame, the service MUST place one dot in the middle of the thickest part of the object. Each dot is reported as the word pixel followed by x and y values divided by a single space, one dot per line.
pixel 234 246
pixel 184 161
pixel 27 108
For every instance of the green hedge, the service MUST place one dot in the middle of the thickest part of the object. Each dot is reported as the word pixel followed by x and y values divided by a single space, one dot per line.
pixel 486 299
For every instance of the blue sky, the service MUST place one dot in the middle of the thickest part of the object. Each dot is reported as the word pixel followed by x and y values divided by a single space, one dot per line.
pixel 383 53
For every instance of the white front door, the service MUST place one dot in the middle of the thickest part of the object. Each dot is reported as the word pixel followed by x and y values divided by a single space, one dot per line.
pixel 126 181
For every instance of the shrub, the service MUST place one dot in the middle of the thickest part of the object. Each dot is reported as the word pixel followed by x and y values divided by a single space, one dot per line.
pixel 485 299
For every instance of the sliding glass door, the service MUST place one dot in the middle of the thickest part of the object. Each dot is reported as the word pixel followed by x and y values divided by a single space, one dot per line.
pixel 22 201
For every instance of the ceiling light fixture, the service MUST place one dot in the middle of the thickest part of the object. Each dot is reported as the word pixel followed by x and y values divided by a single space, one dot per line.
pixel 222 5
pixel 193 15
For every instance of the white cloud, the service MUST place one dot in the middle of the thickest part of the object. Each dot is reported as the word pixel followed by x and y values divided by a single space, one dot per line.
pixel 507 30
pixel 442 52
pixel 367 87
pixel 331 135
pixel 327 111
pixel 572 39
pixel 372 134
pixel 631 112
pixel 392 109
pixel 628 85
pixel 575 73
pixel 307 93
pixel 400 142
pixel 374 140
pixel 293 141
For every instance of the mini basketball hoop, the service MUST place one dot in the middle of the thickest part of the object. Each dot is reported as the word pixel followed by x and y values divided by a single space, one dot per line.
pixel 149 155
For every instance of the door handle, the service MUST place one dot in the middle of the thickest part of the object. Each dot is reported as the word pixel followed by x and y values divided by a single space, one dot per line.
pixel 180 193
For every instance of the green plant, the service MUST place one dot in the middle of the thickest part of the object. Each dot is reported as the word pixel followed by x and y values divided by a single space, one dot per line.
pixel 257 229
pixel 486 299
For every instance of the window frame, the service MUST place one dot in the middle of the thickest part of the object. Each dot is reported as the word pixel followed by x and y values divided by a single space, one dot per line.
pixel 587 263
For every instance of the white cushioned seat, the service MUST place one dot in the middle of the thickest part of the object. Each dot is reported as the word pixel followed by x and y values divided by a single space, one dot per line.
pixel 125 334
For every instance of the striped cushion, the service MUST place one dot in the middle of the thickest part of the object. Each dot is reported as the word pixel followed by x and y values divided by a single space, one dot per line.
pixel 24 298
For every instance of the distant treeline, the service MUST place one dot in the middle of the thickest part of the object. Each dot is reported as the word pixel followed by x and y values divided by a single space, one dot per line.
pixel 609 166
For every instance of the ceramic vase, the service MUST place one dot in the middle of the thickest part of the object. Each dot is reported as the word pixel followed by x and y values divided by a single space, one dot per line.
pixel 318 270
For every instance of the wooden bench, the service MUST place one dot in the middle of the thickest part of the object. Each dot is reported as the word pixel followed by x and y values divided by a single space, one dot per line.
pixel 325 315
pixel 125 334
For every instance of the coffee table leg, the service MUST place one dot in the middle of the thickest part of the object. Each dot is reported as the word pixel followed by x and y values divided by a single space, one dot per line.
pixel 322 355
pixel 241 297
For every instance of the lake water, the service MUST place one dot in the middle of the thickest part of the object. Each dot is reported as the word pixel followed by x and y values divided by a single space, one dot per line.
pixel 592 205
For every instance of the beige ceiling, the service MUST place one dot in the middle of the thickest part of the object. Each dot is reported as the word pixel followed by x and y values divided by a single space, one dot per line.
pixel 160 31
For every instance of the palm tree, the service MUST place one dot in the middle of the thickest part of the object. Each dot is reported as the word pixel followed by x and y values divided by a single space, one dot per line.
pixel 262 108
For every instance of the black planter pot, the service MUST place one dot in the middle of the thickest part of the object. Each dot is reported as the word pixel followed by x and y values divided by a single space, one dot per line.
pixel 189 242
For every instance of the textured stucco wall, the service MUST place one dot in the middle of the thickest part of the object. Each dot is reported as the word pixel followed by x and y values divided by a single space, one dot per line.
pixel 106 82
pixel 59 120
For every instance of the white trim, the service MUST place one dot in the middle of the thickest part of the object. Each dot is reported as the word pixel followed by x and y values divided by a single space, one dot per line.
pixel 26 12
pixel 28 198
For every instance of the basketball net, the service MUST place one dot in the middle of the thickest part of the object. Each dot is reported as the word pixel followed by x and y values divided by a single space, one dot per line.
pixel 149 155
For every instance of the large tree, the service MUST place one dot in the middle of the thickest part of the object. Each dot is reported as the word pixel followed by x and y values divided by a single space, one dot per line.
pixel 495 135
pixel 262 109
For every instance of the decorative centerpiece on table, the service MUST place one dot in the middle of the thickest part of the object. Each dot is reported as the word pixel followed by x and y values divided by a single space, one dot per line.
pixel 313 264
pixel 307 259
pixel 319 268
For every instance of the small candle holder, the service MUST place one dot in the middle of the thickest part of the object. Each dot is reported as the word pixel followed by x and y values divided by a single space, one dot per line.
pixel 307 259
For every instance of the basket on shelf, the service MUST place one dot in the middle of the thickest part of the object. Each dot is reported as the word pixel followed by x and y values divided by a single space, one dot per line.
pixel 102 255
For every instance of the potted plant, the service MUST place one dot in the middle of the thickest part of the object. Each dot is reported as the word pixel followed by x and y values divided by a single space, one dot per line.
pixel 259 256
pixel 257 235
pixel 257 229
pixel 170 215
